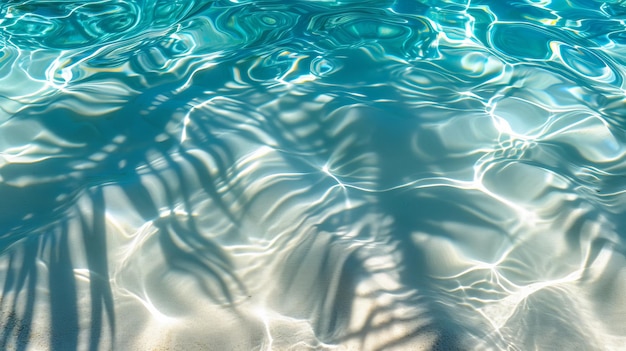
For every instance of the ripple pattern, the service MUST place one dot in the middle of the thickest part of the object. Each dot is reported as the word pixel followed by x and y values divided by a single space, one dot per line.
pixel 312 175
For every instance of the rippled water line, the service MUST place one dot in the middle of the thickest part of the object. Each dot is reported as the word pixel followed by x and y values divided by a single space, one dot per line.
pixel 318 175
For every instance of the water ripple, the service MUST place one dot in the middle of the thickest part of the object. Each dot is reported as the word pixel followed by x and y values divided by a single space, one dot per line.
pixel 522 41
pixel 68 26
pixel 372 175
pixel 408 37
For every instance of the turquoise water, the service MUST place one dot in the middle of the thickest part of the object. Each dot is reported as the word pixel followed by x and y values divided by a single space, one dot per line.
pixel 312 175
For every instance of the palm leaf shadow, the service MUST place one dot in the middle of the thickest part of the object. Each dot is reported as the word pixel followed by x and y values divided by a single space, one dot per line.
pixel 337 279
pixel 197 255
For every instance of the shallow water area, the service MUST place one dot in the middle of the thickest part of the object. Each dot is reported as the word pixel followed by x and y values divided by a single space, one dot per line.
pixel 312 175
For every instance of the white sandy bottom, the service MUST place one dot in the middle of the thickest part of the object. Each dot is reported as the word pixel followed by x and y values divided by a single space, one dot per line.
pixel 350 277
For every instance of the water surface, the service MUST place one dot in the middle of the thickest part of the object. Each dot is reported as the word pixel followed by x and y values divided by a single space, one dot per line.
pixel 312 175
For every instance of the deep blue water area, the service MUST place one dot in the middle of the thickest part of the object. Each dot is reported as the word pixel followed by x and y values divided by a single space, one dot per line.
pixel 312 175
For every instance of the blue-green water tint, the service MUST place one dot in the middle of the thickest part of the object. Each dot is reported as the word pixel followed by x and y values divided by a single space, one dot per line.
pixel 341 175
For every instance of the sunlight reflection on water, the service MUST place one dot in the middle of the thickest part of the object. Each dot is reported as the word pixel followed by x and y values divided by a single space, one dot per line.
pixel 328 175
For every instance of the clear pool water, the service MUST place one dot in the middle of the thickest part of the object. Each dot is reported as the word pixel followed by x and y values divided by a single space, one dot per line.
pixel 312 175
